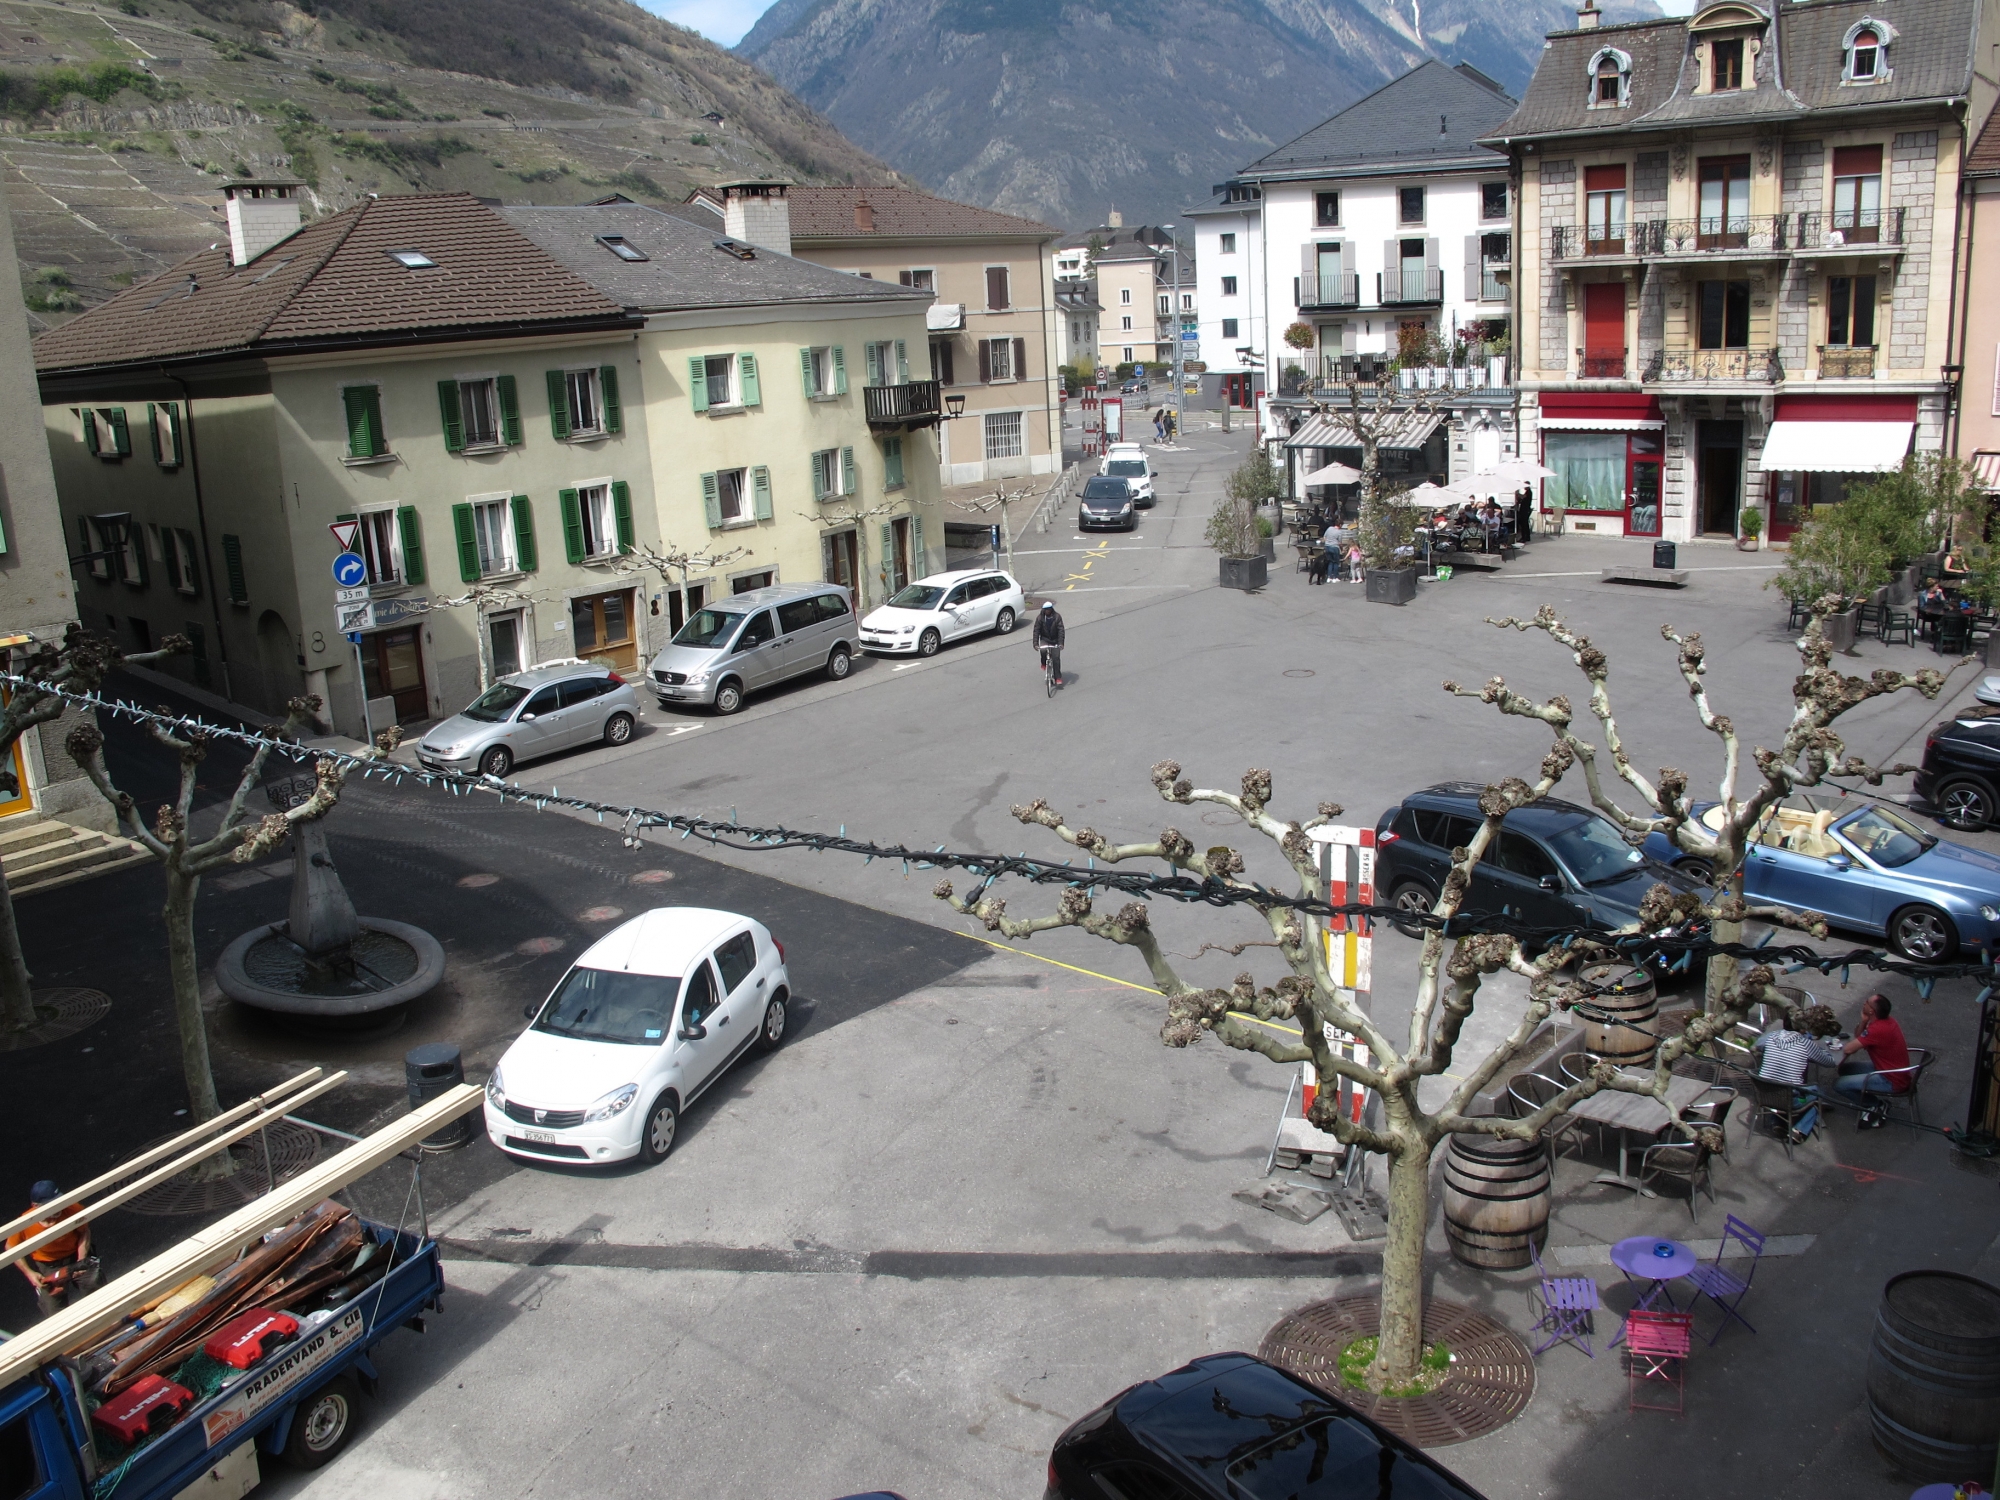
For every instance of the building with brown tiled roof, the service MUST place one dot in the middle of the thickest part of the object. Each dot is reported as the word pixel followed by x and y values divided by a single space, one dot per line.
pixel 508 408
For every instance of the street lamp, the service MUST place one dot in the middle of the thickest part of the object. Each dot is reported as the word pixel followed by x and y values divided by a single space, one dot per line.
pixel 1174 325
pixel 954 406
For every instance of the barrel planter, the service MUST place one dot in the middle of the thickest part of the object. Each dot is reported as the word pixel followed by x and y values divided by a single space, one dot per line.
pixel 1496 1200
pixel 1634 1003
pixel 1934 1375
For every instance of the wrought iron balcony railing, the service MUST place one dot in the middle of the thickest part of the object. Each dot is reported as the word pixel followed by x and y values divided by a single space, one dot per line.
pixel 913 404
pixel 1765 233
pixel 1601 366
pixel 1582 241
pixel 1846 361
pixel 1839 228
pixel 1761 365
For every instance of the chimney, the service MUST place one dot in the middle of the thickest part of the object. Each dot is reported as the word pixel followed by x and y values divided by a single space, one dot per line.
pixel 261 214
pixel 864 216
pixel 1114 220
pixel 1588 15
pixel 758 213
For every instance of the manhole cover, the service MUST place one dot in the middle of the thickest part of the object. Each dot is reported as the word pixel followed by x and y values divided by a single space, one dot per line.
pixel 474 882
pixel 1300 672
pixel 293 1149
pixel 1216 817
pixel 652 877
pixel 60 1013
pixel 1491 1382
pixel 600 914
pixel 536 947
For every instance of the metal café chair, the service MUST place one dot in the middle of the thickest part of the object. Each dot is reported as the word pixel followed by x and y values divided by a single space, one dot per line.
pixel 1897 622
pixel 1568 1307
pixel 1712 1108
pixel 1920 1062
pixel 1790 1111
pixel 1528 1092
pixel 1954 634
pixel 1682 1158
pixel 1800 613
pixel 1723 1287
pixel 1657 1346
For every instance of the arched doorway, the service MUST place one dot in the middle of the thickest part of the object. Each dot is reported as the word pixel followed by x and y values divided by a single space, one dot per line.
pixel 277 661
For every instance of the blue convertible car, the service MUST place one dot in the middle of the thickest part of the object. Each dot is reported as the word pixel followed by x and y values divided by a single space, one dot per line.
pixel 1865 866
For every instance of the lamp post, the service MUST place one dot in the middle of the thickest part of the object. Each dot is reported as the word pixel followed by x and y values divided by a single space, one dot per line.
pixel 1174 324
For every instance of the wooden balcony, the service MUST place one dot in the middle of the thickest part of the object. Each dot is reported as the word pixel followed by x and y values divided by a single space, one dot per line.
pixel 903 408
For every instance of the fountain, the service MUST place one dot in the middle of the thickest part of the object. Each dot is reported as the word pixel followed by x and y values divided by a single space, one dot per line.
pixel 325 964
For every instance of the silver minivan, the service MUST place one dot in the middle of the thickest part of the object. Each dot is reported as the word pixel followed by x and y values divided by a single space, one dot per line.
pixel 752 641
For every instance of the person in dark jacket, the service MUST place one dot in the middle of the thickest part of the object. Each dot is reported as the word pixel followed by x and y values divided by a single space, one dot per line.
pixel 1048 637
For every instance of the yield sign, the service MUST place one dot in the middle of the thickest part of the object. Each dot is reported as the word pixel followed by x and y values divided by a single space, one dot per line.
pixel 347 533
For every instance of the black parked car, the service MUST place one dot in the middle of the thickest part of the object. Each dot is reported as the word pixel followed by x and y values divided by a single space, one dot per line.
pixel 1960 776
pixel 1106 501
pixel 1557 864
pixel 1231 1427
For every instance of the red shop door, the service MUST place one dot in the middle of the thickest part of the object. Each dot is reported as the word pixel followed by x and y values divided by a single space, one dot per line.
pixel 1603 330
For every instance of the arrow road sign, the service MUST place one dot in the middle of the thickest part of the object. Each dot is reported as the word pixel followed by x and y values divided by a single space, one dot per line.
pixel 347 533
pixel 349 571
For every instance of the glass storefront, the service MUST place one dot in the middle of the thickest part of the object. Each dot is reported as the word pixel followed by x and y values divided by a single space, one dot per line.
pixel 1606 473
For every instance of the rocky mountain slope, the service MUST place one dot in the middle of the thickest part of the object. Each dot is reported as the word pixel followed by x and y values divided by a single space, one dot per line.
pixel 1064 109
pixel 118 125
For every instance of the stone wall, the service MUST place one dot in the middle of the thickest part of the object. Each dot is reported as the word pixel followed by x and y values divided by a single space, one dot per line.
pixel 1912 187
pixel 1559 208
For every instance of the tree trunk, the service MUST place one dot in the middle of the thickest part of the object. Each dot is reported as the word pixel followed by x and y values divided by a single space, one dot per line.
pixel 1402 1343
pixel 17 1000
pixel 202 1102
pixel 1721 967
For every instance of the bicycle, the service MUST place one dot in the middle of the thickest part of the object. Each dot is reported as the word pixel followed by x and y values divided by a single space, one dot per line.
pixel 1051 669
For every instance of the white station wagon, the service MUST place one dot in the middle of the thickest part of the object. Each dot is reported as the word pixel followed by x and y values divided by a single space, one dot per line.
pixel 651 1015
pixel 919 619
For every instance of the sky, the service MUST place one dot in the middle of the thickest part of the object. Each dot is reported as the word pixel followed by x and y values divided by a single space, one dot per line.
pixel 722 21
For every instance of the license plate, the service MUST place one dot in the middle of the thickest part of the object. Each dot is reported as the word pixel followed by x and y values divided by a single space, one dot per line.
pixel 542 1137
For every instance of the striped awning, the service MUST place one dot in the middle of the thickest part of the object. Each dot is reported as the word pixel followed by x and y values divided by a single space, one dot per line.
pixel 1986 470
pixel 1410 429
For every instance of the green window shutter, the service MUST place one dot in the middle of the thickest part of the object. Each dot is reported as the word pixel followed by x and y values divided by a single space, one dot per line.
pixel 621 513
pixel 193 580
pixel 698 381
pixel 85 544
pixel 806 372
pixel 411 527
pixel 892 462
pixel 153 427
pixel 558 405
pixel 364 420
pixel 232 567
pixel 524 533
pixel 760 490
pixel 839 371
pixel 917 567
pixel 872 353
pixel 711 500
pixel 174 433
pixel 144 575
pixel 902 363
pixel 849 482
pixel 510 411
pixel 607 392
pixel 746 376
pixel 90 443
pixel 121 433
pixel 572 519
pixel 468 543
pixel 888 556
pixel 453 415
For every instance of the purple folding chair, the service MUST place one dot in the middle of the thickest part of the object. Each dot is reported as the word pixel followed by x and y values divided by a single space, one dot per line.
pixel 1724 1287
pixel 1568 1307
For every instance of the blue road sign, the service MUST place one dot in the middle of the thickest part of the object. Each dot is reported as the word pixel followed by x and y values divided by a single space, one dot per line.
pixel 349 571
pixel 354 638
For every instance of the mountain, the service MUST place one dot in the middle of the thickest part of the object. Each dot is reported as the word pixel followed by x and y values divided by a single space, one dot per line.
pixel 1064 109
pixel 117 127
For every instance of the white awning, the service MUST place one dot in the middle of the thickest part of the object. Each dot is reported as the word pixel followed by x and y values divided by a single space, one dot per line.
pixel 944 317
pixel 1836 447
pixel 1986 469
pixel 1600 424
pixel 1410 429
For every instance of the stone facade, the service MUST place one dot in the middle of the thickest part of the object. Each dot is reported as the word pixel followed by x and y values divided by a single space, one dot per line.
pixel 1559 207
pixel 1912 187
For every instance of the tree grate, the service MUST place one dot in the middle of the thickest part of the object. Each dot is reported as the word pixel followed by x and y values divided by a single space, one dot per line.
pixel 293 1149
pixel 60 1013
pixel 1491 1382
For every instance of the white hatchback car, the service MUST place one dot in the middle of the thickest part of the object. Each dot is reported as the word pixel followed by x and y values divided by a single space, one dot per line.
pixel 944 607
pixel 1128 461
pixel 651 1015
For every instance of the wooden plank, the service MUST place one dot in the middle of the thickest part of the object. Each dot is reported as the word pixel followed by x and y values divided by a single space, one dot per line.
pixel 162 1151
pixel 173 1168
pixel 81 1323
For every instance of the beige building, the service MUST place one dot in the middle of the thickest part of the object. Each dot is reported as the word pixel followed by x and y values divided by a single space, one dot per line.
pixel 993 332
pixel 1976 424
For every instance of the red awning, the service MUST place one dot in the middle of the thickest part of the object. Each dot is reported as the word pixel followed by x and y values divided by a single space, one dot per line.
pixel 1846 409
pixel 1629 406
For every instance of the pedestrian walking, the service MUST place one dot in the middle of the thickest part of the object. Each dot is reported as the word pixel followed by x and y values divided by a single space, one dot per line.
pixel 1159 425
pixel 62 1268
pixel 1173 427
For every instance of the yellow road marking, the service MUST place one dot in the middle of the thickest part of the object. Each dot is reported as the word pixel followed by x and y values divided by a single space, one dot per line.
pixel 1040 959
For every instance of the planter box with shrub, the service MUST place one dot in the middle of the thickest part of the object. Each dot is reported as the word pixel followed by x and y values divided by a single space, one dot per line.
pixel 1392 585
pixel 1248 573
pixel 1841 630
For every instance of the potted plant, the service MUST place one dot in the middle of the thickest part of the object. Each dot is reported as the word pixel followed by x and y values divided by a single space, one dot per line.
pixel 1267 545
pixel 1751 526
pixel 1232 531
pixel 1837 560
pixel 1387 535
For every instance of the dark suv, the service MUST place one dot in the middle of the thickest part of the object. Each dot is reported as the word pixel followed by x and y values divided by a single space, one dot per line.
pixel 1557 864
pixel 1230 1427
pixel 1960 776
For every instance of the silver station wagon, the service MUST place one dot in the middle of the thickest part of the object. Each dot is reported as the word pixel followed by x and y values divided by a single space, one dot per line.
pixel 536 712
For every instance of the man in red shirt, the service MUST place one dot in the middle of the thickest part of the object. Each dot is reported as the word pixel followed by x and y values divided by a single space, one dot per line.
pixel 1880 1041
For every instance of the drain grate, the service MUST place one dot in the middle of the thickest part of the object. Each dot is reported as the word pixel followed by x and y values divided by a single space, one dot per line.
pixel 61 1013
pixel 1491 1382
pixel 293 1149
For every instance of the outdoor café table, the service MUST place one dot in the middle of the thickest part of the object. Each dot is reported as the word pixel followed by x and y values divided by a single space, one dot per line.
pixel 1640 1259
pixel 1629 1112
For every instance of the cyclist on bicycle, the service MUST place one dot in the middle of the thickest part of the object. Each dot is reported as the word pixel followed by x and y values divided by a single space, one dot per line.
pixel 1048 637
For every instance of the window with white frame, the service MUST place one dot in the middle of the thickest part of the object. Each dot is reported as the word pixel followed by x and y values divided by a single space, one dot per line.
pixel 181 569
pixel 1128 354
pixel 732 495
pixel 586 404
pixel 600 524
pixel 824 370
pixel 826 473
pixel 999 359
pixel 1003 434
pixel 923 279
pixel 1187 301
pixel 719 372
pixel 1125 322
pixel 479 410
pixel 885 364
pixel 1125 296
pixel 378 546
pixel 493 534
pixel 1865 51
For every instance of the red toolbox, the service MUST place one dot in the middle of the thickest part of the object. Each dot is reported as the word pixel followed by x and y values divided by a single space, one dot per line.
pixel 247 1338
pixel 150 1404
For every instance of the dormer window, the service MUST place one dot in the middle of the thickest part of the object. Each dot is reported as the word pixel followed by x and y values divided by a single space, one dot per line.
pixel 1726 64
pixel 1864 55
pixel 1610 79
pixel 1865 51
pixel 1727 37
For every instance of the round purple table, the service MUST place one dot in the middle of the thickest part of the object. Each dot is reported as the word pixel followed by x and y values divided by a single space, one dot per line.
pixel 1638 1258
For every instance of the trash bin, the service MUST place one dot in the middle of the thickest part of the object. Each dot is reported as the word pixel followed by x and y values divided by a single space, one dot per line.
pixel 1663 554
pixel 431 1070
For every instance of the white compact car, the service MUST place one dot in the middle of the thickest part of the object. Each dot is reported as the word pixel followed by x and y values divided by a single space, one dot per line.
pixel 1128 461
pixel 918 620
pixel 651 1015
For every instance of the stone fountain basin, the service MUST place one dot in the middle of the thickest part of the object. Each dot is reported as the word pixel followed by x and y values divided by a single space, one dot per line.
pixel 234 980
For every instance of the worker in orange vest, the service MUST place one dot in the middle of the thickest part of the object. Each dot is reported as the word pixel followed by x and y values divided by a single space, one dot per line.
pixel 62 1268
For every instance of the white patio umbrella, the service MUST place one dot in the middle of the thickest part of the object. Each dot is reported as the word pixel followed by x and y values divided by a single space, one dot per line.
pixel 1333 474
pixel 1427 495
pixel 1513 470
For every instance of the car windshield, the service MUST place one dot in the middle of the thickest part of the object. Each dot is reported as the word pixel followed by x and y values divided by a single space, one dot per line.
pixel 493 705
pixel 603 1005
pixel 1594 851
pixel 1885 837
pixel 916 596
pixel 1131 468
pixel 709 627
pixel 1335 1457
pixel 1104 489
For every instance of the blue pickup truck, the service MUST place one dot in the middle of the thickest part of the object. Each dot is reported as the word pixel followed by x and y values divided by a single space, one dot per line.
pixel 295 1401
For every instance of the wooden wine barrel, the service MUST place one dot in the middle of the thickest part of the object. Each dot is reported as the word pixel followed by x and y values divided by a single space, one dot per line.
pixel 1934 1375
pixel 1496 1199
pixel 1629 996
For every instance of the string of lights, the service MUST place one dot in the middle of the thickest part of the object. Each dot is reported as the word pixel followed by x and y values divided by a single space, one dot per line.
pixel 1676 949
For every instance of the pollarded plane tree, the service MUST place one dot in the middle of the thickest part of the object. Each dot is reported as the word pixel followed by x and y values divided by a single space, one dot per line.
pixel 1452 969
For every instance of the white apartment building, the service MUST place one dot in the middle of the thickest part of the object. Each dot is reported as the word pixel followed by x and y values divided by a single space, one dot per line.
pixel 1230 283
